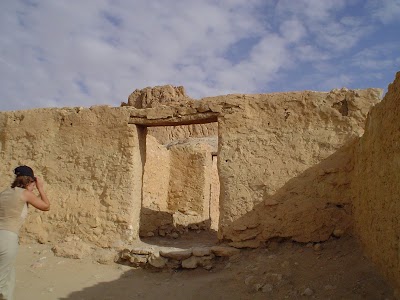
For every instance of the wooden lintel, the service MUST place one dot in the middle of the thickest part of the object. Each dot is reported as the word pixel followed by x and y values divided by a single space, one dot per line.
pixel 200 118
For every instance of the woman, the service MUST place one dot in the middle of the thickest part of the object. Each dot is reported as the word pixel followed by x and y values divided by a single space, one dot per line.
pixel 13 210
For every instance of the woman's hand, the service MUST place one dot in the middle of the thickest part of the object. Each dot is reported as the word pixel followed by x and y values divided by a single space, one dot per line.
pixel 39 183
pixel 41 202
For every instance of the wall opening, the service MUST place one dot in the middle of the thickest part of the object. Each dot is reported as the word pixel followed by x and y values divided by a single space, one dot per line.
pixel 180 192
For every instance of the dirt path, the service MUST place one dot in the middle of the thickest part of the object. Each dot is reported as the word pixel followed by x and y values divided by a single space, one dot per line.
pixel 282 271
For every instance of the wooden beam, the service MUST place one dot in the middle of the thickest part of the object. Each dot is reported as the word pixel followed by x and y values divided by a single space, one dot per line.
pixel 199 118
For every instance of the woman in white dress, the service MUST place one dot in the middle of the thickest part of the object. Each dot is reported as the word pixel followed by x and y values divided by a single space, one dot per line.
pixel 13 210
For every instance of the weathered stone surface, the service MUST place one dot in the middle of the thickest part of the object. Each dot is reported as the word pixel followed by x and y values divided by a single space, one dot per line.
pixel 224 251
pixel 141 251
pixel 285 161
pixel 290 151
pixel 155 212
pixel 153 97
pixel 73 249
pixel 194 262
pixel 105 256
pixel 376 187
pixel 170 197
pixel 169 134
pixel 201 251
pixel 90 160
pixel 138 259
pixel 157 261
pixel 190 203
pixel 190 263
pixel 176 254
pixel 125 254
pixel 276 145
pixel 173 264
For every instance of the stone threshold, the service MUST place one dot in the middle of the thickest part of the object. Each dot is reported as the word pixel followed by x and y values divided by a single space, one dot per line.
pixel 175 258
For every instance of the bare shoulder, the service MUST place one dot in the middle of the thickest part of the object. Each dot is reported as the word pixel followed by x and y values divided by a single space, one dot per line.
pixel 27 195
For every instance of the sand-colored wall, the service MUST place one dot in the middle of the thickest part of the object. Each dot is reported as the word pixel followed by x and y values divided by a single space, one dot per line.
pixel 168 134
pixel 214 195
pixel 91 164
pixel 285 160
pixel 280 172
pixel 189 189
pixel 156 180
pixel 176 186
pixel 376 185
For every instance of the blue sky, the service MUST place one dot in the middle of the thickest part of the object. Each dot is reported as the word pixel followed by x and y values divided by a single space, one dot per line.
pixel 89 52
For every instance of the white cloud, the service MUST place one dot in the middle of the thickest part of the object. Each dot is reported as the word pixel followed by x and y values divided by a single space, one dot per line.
pixel 292 30
pixel 385 10
pixel 56 53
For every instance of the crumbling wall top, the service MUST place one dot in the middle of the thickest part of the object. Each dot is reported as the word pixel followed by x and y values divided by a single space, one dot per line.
pixel 159 95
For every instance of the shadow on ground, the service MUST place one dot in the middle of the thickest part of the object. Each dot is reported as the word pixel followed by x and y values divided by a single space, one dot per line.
pixel 335 269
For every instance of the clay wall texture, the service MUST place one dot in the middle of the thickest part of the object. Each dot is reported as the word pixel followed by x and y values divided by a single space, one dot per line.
pixel 156 179
pixel 91 164
pixel 176 186
pixel 285 160
pixel 291 165
pixel 168 134
pixel 214 195
pixel 284 164
pixel 376 184
pixel 190 182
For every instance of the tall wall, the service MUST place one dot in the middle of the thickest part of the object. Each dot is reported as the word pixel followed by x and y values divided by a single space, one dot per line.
pixel 189 189
pixel 285 161
pixel 156 180
pixel 214 195
pixel 91 164
pixel 285 165
pixel 377 185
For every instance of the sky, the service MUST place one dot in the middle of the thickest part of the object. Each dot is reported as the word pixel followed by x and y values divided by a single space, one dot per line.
pixel 68 53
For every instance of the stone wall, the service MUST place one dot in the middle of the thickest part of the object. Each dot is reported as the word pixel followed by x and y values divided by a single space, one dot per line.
pixel 214 198
pixel 376 185
pixel 168 134
pixel 189 189
pixel 91 164
pixel 156 180
pixel 285 161
pixel 177 186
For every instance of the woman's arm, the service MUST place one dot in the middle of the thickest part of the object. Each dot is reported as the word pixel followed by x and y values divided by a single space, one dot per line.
pixel 41 202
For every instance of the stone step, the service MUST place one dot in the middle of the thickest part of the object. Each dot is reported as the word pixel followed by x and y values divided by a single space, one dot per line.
pixel 175 258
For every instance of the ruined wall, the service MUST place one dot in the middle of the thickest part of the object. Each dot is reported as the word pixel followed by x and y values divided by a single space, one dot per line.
pixel 214 195
pixel 280 172
pixel 169 134
pixel 176 186
pixel 285 160
pixel 91 164
pixel 156 180
pixel 377 185
pixel 164 96
pixel 156 96
pixel 189 190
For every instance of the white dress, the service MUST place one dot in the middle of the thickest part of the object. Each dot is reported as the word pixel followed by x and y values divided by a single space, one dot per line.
pixel 8 254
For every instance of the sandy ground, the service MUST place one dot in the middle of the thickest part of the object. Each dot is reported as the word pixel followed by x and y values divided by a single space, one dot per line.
pixel 280 271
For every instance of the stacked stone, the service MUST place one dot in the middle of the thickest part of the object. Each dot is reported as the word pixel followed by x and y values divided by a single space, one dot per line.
pixel 173 258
